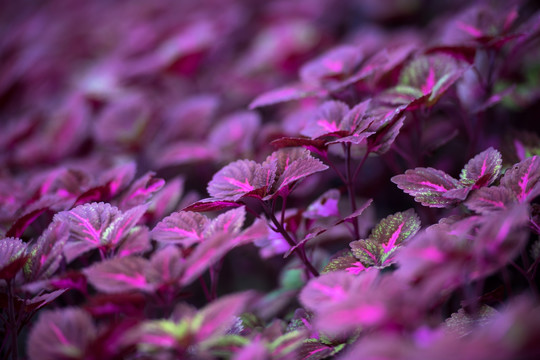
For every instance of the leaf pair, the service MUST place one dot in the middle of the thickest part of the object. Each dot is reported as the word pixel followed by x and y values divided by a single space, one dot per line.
pixel 246 178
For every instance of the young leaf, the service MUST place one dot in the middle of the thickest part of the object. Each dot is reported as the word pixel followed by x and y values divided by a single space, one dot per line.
pixel 61 334
pixel 183 227
pixel 482 170
pixel 522 179
pixel 120 275
pixel 324 206
pixel 327 290
pixel 428 186
pixel 241 178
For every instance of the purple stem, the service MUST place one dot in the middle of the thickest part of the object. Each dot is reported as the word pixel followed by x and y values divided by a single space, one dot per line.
pixel 299 251
pixel 205 289
pixel 13 323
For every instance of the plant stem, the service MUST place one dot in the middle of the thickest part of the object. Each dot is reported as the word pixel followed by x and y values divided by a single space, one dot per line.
pixel 214 276
pixel 350 187
pixel 13 323
pixel 205 289
pixel 279 227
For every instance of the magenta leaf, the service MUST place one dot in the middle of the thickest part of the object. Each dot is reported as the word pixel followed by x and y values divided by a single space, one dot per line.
pixel 17 229
pixel 482 170
pixel 120 275
pixel 522 179
pixel 385 137
pixel 432 75
pixel 284 94
pixel 234 135
pixel 315 349
pixel 118 178
pixel 327 120
pixel 293 164
pixel 230 222
pixel 183 227
pixel 327 290
pixel 345 262
pixel 241 178
pixel 488 199
pixel 183 152
pixel 137 242
pixel 385 238
pixel 97 225
pixel 215 318
pixel 168 264
pixel 428 186
pixel 61 334
pixel 141 191
pixel 335 63
pixel 211 204
pixel 45 254
pixel 324 206
pixel 12 257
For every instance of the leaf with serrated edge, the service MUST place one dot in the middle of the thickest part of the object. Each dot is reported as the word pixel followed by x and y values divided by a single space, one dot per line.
pixel 12 257
pixel 482 170
pixel 387 235
pixel 183 227
pixel 241 178
pixel 229 222
pixel 428 186
pixel 284 94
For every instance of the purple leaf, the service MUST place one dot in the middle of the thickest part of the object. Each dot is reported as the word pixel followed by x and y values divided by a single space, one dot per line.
pixel 241 178
pixel 141 191
pixel 118 178
pixel 488 199
pixel 328 290
pixel 167 199
pixel 120 275
pixel 286 93
pixel 234 136
pixel 313 349
pixel 61 334
pixel 46 253
pixel 97 225
pixel 522 179
pixel 312 144
pixel 218 316
pixel 324 206
pixel 183 152
pixel 17 229
pixel 336 62
pixel 12 257
pixel 230 222
pixel 183 227
pixel 428 186
pixel 137 242
pixel 385 238
pixel 327 120
pixel 346 262
pixel 385 137
pixel 211 204
pixel 168 264
pixel 482 170
pixel 432 75
pixel 292 164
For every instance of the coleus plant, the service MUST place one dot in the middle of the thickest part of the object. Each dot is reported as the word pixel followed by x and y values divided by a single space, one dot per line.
pixel 305 247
